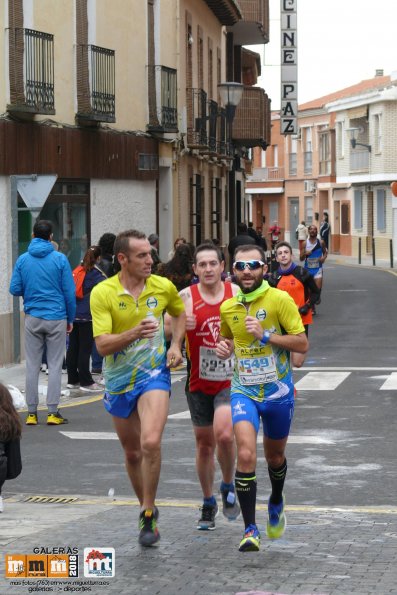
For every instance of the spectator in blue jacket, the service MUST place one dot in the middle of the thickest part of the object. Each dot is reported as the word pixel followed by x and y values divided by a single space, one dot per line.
pixel 43 277
pixel 81 338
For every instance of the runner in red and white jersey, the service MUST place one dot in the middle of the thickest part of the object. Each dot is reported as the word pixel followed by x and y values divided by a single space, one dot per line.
pixel 208 385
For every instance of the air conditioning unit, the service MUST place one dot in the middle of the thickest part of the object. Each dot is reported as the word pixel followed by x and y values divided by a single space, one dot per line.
pixel 309 186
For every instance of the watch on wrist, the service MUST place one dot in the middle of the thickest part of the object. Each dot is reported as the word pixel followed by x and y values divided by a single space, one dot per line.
pixel 265 338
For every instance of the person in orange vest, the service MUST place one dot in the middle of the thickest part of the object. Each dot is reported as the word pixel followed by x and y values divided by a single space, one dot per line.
pixel 300 285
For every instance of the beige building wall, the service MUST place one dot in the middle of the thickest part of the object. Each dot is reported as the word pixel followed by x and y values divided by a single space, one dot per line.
pixel 203 24
pixel 125 31
pixel 42 16
pixel 121 27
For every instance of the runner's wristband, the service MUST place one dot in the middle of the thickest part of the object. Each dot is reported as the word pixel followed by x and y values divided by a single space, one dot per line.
pixel 265 338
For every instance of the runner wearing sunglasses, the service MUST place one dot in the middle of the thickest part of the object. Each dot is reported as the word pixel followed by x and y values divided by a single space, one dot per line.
pixel 262 325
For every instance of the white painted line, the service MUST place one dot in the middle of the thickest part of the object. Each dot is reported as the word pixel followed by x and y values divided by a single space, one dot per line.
pixel 321 380
pixel 303 440
pixel 181 415
pixel 310 440
pixel 390 383
pixel 90 435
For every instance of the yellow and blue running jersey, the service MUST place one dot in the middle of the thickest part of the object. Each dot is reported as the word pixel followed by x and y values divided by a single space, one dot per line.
pixel 261 372
pixel 114 310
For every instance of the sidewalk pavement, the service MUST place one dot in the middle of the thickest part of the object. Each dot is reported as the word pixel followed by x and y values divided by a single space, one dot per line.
pixel 14 376
pixel 350 551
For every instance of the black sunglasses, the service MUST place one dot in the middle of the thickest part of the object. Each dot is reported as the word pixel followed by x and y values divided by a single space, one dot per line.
pixel 253 265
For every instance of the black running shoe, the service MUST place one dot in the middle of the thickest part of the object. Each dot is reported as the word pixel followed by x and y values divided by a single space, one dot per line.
pixel 148 534
pixel 207 520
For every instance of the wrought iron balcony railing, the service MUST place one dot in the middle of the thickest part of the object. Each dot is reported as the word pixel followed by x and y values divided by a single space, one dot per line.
pixel 31 56
pixel 212 125
pixel 267 174
pixel 99 100
pixel 162 85
pixel 197 119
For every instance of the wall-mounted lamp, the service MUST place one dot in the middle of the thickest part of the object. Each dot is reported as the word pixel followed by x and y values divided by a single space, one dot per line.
pixel 190 39
pixel 354 132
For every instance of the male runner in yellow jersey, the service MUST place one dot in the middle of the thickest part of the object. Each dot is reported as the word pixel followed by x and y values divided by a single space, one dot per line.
pixel 262 325
pixel 127 313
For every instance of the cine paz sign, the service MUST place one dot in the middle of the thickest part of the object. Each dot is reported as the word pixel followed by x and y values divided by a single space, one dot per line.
pixel 289 67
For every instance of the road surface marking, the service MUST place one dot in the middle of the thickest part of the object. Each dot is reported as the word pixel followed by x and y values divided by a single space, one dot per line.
pixel 321 381
pixel 181 415
pixel 390 383
pixel 90 435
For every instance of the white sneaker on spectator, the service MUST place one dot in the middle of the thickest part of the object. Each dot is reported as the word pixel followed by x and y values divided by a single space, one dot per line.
pixel 72 385
pixel 92 388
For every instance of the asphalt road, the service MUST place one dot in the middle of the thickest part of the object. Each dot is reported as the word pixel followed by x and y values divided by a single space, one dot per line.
pixel 343 442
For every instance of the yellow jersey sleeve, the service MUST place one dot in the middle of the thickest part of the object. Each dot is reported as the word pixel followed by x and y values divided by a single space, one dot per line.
pixel 175 305
pixel 288 314
pixel 225 330
pixel 101 313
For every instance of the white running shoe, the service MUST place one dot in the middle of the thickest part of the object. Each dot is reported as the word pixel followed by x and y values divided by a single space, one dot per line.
pixel 92 388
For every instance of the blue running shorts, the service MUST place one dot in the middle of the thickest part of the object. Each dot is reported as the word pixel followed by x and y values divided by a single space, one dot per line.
pixel 276 414
pixel 123 404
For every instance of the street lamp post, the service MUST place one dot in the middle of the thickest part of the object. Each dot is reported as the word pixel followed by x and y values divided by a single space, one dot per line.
pixel 231 94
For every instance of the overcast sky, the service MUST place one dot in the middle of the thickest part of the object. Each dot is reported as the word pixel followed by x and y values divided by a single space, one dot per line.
pixel 340 43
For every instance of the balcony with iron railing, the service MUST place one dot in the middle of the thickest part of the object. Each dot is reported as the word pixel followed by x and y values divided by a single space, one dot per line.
pixel 224 147
pixel 162 85
pixel 267 174
pixel 96 66
pixel 251 124
pixel 197 136
pixel 31 67
pixel 253 28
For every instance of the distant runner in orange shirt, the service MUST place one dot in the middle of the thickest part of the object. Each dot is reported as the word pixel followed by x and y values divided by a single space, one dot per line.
pixel 300 284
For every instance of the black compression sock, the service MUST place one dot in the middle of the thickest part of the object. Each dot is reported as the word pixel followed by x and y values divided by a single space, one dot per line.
pixel 246 492
pixel 277 478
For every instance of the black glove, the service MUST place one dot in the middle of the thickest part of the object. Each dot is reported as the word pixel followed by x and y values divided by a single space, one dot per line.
pixel 304 309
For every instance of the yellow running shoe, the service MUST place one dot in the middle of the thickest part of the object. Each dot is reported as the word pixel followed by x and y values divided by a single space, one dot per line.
pixel 31 419
pixel 251 540
pixel 54 419
pixel 277 521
